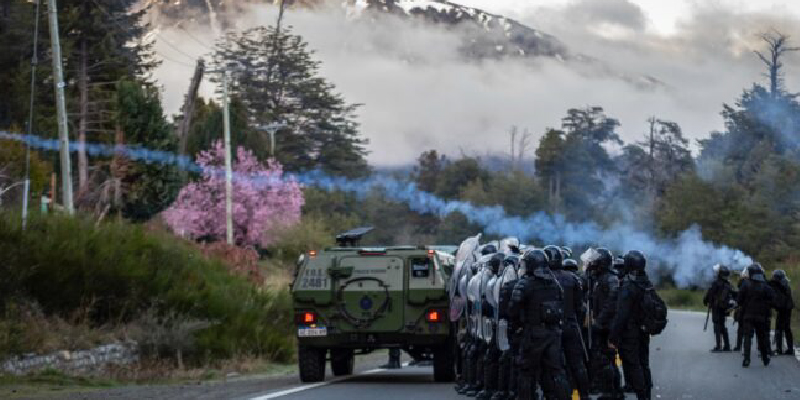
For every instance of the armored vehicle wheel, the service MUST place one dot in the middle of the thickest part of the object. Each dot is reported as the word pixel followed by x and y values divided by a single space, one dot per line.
pixel 342 361
pixel 444 363
pixel 311 362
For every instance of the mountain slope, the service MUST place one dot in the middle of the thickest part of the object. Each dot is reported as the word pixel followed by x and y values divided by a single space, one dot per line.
pixel 490 35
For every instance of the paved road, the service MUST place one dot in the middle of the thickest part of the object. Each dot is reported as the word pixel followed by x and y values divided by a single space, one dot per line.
pixel 682 367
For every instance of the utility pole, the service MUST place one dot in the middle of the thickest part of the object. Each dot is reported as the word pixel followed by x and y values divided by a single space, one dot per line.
pixel 228 161
pixel 189 106
pixel 26 193
pixel 63 129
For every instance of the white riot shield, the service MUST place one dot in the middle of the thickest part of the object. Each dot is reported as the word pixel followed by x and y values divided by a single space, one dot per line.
pixel 502 335
pixel 488 322
pixel 485 276
pixel 465 252
pixel 506 245
pixel 509 275
pixel 589 256
pixel 473 295
pixel 458 297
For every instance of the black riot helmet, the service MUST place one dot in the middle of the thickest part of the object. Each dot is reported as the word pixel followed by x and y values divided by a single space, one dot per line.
pixel 605 259
pixel 511 261
pixel 570 265
pixel 488 249
pixel 619 266
pixel 495 262
pixel 566 252
pixel 535 260
pixel 555 256
pixel 634 262
pixel 779 275
pixel 723 271
pixel 756 272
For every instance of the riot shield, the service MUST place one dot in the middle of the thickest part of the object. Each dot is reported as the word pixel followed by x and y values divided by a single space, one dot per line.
pixel 473 296
pixel 489 321
pixel 509 275
pixel 465 252
pixel 507 244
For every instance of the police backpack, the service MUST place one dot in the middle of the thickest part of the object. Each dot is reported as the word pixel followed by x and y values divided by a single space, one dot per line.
pixel 654 312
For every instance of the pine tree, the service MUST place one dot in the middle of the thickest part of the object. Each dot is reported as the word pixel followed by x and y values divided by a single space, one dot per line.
pixel 276 79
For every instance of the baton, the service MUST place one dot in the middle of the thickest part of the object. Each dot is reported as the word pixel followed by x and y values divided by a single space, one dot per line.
pixel 705 327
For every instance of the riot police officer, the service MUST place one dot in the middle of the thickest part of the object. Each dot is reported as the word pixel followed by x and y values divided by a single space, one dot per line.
pixel 626 332
pixel 718 298
pixel 784 305
pixel 604 286
pixel 476 346
pixel 757 300
pixel 537 303
pixel 571 339
pixel 738 312
pixel 489 309
pixel 507 339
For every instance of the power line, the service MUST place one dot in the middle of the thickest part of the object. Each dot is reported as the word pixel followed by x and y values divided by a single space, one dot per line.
pixel 167 42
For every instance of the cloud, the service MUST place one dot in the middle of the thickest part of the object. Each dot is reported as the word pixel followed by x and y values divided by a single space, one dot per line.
pixel 620 13
pixel 419 93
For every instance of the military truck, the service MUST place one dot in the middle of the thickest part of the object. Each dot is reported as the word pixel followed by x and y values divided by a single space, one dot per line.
pixel 352 300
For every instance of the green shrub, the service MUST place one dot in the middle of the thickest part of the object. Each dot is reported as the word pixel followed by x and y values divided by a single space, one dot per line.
pixel 120 270
pixel 311 233
pixel 682 298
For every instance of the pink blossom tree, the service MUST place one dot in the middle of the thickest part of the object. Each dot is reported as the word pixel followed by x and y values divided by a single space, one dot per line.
pixel 264 200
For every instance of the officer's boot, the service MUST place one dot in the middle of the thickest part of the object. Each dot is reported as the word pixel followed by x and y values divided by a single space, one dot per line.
pixel 525 389
pixel 718 347
pixel 502 377
pixel 467 370
pixel 778 342
pixel 474 378
pixel 489 377
pixel 789 343
pixel 726 340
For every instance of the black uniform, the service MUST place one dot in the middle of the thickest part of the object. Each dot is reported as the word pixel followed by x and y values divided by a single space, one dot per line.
pixel 537 303
pixel 737 317
pixel 784 306
pixel 626 334
pixel 756 299
pixel 718 298
pixel 571 338
pixel 603 295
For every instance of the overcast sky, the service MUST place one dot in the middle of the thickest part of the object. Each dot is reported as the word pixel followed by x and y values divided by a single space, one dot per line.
pixel 419 94
pixel 662 16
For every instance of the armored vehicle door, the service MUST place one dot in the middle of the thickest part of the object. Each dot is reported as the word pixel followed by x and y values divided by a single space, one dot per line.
pixel 369 292
pixel 427 282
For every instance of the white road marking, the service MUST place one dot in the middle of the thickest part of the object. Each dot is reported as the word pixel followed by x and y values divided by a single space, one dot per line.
pixel 316 385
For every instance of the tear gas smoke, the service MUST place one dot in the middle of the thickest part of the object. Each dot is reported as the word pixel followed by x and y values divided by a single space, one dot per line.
pixel 688 257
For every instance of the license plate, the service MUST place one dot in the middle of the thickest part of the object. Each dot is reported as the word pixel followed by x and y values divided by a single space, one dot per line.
pixel 312 332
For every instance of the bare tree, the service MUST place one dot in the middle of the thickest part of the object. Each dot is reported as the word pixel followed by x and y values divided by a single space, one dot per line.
pixel 513 143
pixel 7 183
pixel 778 45
pixel 519 145
pixel 524 143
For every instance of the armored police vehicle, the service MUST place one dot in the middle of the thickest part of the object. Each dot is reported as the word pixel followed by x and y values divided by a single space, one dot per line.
pixel 352 300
